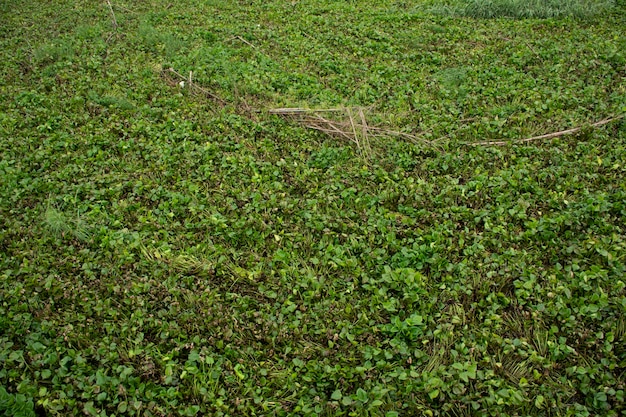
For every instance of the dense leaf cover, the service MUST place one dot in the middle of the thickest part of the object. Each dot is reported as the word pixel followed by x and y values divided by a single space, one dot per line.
pixel 164 251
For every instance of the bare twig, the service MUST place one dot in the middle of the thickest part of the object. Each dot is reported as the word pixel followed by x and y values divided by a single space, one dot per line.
pixel 468 119
pixel 533 51
pixel 196 87
pixel 547 136
pixel 246 42
pixel 297 110
pixel 363 122
pixel 115 25
pixel 243 40
pixel 365 137
pixel 356 136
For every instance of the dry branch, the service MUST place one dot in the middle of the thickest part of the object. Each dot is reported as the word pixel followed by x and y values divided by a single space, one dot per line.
pixel 363 122
pixel 192 85
pixel 250 44
pixel 245 41
pixel 115 25
pixel 352 125
pixel 297 110
pixel 547 136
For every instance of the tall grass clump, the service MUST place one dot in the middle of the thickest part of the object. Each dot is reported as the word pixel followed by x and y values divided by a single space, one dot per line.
pixel 528 9
pixel 60 225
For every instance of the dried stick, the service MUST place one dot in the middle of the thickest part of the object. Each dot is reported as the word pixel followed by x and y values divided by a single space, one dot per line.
pixel 356 137
pixel 547 136
pixel 365 138
pixel 533 51
pixel 246 42
pixel 243 40
pixel 195 86
pixel 363 122
pixel 115 25
pixel 298 110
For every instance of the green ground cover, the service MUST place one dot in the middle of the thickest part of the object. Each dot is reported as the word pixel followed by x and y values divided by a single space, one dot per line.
pixel 170 247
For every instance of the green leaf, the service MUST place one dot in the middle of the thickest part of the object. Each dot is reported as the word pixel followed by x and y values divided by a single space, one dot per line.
pixel 192 410
pixel 471 371
pixel 194 356
pixel 361 395
pixel 238 371
pixel 15 405
pixel 336 395
pixel 89 409
pixel 433 394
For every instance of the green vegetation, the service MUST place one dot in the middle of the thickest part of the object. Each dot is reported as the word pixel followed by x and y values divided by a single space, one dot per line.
pixel 169 245
pixel 524 9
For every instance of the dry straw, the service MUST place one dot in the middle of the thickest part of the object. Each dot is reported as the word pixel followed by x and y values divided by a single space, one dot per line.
pixel 348 123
